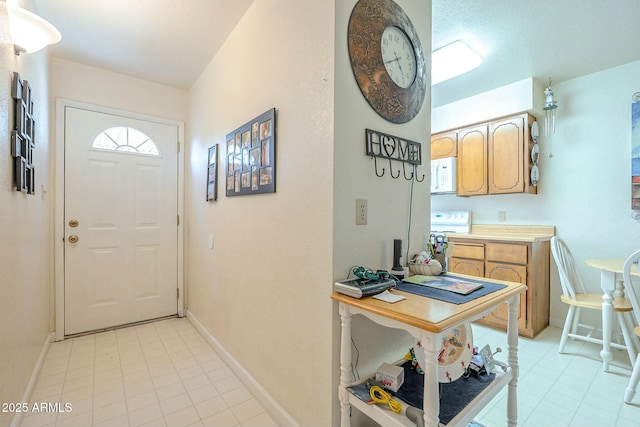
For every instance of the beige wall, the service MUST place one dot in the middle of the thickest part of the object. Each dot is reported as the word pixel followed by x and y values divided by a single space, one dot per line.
pixel 263 290
pixel 83 83
pixel 25 230
pixel 389 200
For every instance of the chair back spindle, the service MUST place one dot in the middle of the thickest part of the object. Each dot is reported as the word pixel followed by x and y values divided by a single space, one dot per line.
pixel 570 278
pixel 631 284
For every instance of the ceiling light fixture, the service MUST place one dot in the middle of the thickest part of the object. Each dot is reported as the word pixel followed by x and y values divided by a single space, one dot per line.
pixel 550 107
pixel 29 32
pixel 452 60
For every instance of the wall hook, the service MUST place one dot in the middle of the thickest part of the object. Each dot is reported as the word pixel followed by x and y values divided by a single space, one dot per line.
pixel 375 161
pixel 391 171
pixel 404 171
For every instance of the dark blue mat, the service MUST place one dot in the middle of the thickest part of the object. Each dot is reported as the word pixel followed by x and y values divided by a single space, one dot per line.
pixel 454 396
pixel 448 296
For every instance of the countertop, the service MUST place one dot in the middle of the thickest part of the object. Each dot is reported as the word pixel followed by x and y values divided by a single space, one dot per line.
pixel 513 233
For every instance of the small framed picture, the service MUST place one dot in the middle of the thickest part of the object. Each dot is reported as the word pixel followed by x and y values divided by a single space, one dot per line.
pixel 246 139
pixel 266 152
pixel 255 140
pixel 212 172
pixel 266 176
pixel 254 178
pixel 254 157
pixel 265 129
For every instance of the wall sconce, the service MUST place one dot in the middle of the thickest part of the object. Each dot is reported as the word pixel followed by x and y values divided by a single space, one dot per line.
pixel 29 32
pixel 550 107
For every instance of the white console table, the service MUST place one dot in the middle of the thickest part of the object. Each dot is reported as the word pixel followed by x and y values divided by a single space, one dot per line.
pixel 430 320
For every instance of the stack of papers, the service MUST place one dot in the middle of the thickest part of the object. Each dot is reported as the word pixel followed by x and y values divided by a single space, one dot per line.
pixel 451 284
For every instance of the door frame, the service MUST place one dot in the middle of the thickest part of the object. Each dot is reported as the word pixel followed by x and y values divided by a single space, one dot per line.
pixel 58 245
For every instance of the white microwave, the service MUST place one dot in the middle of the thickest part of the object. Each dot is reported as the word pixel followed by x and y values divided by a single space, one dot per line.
pixel 443 175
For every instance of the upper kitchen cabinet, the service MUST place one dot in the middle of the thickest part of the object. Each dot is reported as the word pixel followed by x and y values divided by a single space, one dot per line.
pixel 509 155
pixel 444 145
pixel 492 158
pixel 472 177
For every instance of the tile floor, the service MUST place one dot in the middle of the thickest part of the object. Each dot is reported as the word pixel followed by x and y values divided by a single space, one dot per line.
pixel 165 374
pixel 157 374
pixel 557 390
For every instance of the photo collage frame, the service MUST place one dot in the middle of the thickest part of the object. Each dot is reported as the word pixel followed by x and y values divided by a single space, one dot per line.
pixel 212 173
pixel 23 136
pixel 251 160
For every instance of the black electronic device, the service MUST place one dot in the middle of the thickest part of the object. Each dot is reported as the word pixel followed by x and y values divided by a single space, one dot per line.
pixel 363 286
pixel 397 253
pixel 397 269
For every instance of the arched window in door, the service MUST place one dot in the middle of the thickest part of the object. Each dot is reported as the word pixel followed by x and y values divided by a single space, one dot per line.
pixel 126 139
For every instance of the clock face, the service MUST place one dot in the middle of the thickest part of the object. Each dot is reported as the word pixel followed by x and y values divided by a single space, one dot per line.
pixel 387 59
pixel 398 57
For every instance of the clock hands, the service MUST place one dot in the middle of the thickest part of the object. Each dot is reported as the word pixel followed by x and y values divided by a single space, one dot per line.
pixel 396 59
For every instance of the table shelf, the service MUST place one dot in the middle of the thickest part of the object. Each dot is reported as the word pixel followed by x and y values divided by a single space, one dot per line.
pixel 429 321
pixel 384 416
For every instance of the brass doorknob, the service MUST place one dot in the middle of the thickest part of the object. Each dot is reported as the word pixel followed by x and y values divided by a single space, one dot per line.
pixel 73 238
pixel 73 223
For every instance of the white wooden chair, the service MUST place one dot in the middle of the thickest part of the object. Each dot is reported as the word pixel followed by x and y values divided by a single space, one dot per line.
pixel 574 294
pixel 630 290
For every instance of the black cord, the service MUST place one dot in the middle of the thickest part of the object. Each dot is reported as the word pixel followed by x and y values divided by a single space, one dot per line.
pixel 354 368
pixel 406 258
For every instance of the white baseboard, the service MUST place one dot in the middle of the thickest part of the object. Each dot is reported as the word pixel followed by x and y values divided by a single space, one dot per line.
pixel 558 323
pixel 26 396
pixel 279 415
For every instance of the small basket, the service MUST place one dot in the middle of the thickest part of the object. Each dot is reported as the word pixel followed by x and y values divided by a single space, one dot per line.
pixel 422 269
pixel 425 269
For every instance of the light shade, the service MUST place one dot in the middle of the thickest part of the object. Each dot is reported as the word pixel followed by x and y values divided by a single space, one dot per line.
pixel 29 32
pixel 452 60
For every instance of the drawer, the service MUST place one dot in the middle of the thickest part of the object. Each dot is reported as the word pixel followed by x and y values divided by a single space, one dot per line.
pixel 468 250
pixel 470 267
pixel 507 252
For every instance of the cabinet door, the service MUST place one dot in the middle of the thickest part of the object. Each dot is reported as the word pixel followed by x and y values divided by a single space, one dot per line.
pixel 444 145
pixel 506 156
pixel 511 273
pixel 471 267
pixel 472 161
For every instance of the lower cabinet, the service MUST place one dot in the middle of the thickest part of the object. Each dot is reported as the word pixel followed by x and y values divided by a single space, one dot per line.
pixel 513 261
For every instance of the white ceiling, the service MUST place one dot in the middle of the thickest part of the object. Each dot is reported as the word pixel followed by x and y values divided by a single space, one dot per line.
pixel 172 41
pixel 165 41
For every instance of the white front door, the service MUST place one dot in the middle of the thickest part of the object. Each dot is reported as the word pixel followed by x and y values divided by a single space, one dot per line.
pixel 120 220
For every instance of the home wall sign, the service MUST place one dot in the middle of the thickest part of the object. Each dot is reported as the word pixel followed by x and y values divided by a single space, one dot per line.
pixel 212 174
pixel 22 136
pixel 251 157
pixel 398 151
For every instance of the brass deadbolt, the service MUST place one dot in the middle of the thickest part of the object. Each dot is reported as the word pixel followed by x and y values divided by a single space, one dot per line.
pixel 73 238
pixel 73 223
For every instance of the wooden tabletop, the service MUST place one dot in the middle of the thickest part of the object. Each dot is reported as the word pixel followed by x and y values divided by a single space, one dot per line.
pixel 431 314
pixel 613 265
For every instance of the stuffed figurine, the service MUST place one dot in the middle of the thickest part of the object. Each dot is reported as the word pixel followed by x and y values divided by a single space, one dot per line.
pixel 424 265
